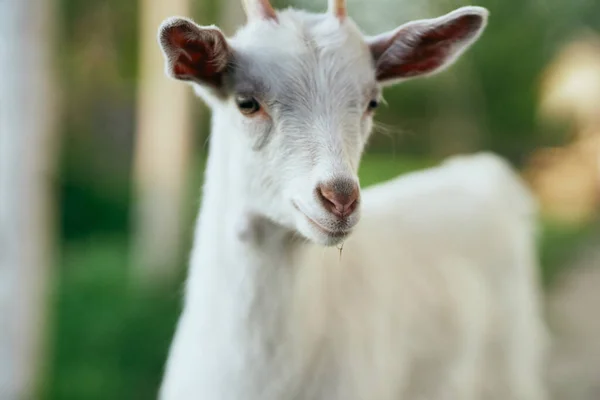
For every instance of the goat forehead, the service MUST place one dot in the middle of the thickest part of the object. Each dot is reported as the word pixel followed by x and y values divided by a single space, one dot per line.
pixel 301 53
pixel 296 30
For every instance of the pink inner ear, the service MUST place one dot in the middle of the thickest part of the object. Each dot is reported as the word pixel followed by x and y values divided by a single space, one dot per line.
pixel 424 52
pixel 456 29
pixel 196 56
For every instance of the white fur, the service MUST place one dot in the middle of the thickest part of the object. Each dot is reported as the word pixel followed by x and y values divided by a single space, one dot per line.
pixel 434 294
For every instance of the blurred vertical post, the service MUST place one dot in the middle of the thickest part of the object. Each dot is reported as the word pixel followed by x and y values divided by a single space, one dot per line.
pixel 162 152
pixel 232 16
pixel 28 112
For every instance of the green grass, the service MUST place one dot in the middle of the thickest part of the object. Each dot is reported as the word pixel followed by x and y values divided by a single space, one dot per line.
pixel 110 340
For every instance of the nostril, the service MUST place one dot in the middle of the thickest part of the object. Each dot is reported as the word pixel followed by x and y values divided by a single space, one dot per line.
pixel 339 197
pixel 327 196
pixel 352 204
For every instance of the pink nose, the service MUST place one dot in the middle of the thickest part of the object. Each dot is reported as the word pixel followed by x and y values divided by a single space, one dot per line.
pixel 339 196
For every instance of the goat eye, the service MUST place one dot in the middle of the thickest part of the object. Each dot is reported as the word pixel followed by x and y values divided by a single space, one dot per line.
pixel 247 105
pixel 373 104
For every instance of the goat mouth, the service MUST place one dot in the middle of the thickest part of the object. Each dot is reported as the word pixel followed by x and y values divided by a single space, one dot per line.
pixel 331 233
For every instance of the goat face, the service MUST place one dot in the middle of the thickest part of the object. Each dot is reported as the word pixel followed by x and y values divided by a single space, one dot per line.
pixel 300 90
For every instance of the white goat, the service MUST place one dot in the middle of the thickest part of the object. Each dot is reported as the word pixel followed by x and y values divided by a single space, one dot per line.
pixel 434 295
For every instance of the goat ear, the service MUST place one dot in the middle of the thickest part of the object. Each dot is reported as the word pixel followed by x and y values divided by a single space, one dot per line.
pixel 427 46
pixel 194 53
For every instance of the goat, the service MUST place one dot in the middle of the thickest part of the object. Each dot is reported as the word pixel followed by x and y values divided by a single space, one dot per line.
pixel 434 295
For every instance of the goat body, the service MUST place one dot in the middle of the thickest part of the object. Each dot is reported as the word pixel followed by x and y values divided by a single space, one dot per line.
pixel 434 294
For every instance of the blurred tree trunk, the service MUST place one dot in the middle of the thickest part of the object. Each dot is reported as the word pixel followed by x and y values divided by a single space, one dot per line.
pixel 162 152
pixel 28 114
pixel 232 16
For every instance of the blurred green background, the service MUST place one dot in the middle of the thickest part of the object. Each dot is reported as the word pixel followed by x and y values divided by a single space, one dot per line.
pixel 109 328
